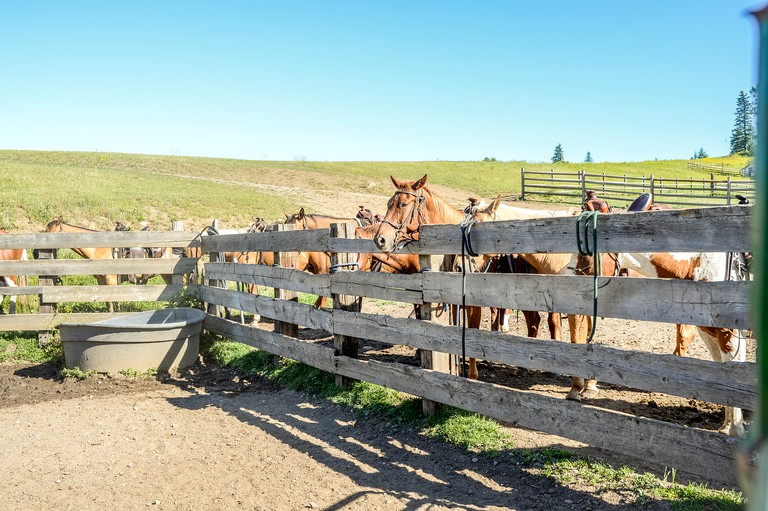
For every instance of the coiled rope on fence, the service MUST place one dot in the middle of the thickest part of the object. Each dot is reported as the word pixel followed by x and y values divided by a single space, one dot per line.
pixel 587 221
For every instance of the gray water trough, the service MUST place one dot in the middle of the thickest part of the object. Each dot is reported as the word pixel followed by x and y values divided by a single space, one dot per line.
pixel 161 339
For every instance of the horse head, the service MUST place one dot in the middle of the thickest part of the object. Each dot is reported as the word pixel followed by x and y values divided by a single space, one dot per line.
pixel 298 219
pixel 258 225
pixel 405 211
pixel 55 224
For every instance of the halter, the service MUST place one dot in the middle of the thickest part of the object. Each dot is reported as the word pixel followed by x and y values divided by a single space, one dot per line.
pixel 417 211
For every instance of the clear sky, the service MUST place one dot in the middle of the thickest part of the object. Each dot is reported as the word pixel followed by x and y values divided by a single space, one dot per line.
pixel 386 80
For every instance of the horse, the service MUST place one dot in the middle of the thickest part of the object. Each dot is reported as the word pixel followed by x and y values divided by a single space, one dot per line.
pixel 318 263
pixel 412 205
pixel 141 253
pixel 723 344
pixel 58 225
pixel 15 254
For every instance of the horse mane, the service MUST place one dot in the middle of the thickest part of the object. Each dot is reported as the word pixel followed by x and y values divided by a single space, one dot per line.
pixel 450 214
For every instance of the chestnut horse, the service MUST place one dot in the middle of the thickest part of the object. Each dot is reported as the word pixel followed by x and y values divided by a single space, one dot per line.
pixel 8 254
pixel 413 205
pixel 318 263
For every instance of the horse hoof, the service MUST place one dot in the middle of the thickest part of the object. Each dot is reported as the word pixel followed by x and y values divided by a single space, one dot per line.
pixel 573 395
pixel 735 430
pixel 590 393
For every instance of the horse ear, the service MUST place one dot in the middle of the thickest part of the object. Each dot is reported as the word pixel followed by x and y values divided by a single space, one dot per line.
pixel 420 183
pixel 395 182
pixel 301 214
pixel 287 216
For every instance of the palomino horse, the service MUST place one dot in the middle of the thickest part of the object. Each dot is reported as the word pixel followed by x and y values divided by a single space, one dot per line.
pixel 16 254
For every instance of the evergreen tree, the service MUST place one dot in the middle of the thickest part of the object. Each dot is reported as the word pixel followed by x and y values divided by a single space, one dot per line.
pixel 558 156
pixel 743 133
pixel 588 158
pixel 701 153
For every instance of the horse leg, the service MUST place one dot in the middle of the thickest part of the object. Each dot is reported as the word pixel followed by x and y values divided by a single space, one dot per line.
pixel 727 345
pixel 11 297
pixel 532 322
pixel 684 337
pixel 555 329
pixel 579 326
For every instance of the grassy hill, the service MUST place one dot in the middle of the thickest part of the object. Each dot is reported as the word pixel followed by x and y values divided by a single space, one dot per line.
pixel 97 189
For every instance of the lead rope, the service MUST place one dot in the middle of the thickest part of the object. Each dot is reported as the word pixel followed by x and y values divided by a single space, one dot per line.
pixel 466 249
pixel 585 250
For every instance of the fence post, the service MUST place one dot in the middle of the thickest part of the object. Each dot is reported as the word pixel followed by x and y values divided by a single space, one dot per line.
pixel 44 336
pixel 345 345
pixel 711 184
pixel 286 260
pixel 522 183
pixel 178 225
pixel 653 189
pixel 583 183
pixel 434 360
pixel 728 191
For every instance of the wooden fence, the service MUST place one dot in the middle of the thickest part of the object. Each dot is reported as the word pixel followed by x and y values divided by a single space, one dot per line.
pixel 708 454
pixel 47 268
pixel 620 191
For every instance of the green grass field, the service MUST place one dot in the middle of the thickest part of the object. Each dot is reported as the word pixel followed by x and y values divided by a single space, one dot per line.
pixel 98 189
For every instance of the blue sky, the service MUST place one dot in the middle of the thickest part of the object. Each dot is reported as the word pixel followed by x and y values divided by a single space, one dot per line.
pixel 381 80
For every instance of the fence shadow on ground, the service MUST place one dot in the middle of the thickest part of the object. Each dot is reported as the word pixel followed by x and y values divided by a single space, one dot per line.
pixel 395 460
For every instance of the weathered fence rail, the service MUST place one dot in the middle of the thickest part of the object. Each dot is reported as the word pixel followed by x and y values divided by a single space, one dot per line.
pixel 708 454
pixel 620 191
pixel 705 303
pixel 50 268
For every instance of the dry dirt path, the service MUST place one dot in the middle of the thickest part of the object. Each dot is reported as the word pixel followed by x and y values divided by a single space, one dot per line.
pixel 211 440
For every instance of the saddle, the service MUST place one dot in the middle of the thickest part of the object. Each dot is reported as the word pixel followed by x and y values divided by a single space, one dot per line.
pixel 592 203
pixel 645 203
pixel 366 217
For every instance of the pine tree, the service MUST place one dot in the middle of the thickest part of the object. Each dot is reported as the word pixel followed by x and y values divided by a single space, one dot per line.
pixel 743 133
pixel 558 156
pixel 588 158
pixel 701 153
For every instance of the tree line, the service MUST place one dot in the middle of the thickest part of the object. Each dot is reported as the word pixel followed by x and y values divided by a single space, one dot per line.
pixel 743 134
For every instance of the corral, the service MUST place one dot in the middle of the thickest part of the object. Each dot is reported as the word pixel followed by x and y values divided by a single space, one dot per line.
pixel 707 454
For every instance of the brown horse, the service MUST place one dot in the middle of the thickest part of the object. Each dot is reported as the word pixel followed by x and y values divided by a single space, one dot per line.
pixel 317 263
pixel 58 225
pixel 15 254
pixel 388 263
pixel 141 253
pixel 413 205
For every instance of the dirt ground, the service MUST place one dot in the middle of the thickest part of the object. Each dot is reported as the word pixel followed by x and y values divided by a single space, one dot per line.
pixel 207 438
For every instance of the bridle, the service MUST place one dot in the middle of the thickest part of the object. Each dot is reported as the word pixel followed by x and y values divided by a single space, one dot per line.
pixel 416 212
